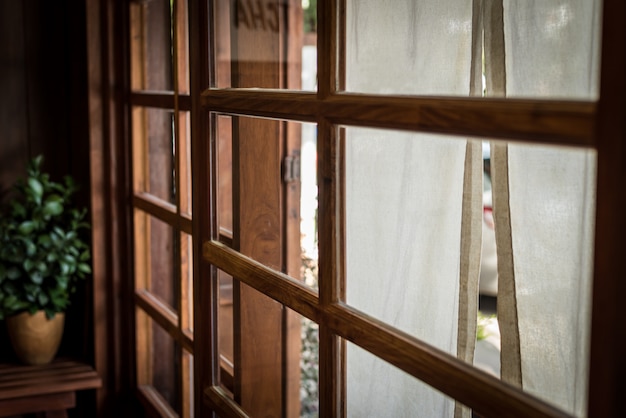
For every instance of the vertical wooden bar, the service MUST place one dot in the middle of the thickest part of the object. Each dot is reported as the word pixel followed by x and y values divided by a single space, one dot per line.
pixel 292 35
pixel 205 296
pixel 330 73
pixel 608 335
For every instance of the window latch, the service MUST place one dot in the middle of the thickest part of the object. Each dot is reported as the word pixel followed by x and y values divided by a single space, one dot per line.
pixel 291 167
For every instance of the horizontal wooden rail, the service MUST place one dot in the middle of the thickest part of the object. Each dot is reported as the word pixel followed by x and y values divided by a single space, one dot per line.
pixel 277 285
pixel 543 122
pixel 219 401
pixel 433 366
pixel 474 388
pixel 164 316
pixel 159 100
pixel 162 210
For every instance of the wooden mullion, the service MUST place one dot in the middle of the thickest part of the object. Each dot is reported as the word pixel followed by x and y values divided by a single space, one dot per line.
pixel 205 296
pixel 163 315
pixel 327 47
pixel 482 392
pixel 569 123
pixel 163 211
pixel 279 286
pixel 158 310
pixel 220 402
pixel 330 268
pixel 159 100
pixel 270 103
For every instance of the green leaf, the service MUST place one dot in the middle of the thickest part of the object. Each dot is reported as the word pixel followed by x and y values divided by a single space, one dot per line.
pixel 31 248
pixel 65 268
pixel 13 273
pixel 19 211
pixel 53 206
pixel 41 266
pixel 28 264
pixel 62 282
pixel 36 277
pixel 44 240
pixel 27 227
pixel 84 267
pixel 36 188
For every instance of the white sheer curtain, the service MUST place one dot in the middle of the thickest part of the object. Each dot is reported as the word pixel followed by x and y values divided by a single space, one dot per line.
pixel 412 199
pixel 404 196
pixel 551 51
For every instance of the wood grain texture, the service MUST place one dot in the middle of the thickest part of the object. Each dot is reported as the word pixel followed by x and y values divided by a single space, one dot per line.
pixel 159 99
pixel 154 403
pixel 476 389
pixel 165 317
pixel 162 210
pixel 544 122
pixel 220 402
pixel 62 375
pixel 285 289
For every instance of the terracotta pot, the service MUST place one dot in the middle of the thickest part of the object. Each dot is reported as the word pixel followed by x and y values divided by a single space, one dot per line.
pixel 35 338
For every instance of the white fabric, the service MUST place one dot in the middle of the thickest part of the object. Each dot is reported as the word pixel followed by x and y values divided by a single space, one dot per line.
pixel 404 195
pixel 552 51
pixel 408 46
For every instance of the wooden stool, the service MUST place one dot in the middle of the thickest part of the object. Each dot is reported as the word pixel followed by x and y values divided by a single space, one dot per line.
pixel 49 389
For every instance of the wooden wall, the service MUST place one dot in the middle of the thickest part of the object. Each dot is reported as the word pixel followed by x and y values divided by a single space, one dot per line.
pixel 43 110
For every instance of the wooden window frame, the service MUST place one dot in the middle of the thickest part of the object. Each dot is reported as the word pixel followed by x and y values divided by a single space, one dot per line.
pixel 545 122
pixel 596 125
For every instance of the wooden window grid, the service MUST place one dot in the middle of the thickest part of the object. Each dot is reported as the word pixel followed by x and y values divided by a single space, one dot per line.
pixel 571 123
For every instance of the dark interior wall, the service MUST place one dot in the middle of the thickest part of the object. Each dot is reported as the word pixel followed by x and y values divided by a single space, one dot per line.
pixel 43 110
pixel 43 107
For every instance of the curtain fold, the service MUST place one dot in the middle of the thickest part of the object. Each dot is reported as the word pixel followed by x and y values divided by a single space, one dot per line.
pixel 413 202
pixel 404 197
pixel 551 52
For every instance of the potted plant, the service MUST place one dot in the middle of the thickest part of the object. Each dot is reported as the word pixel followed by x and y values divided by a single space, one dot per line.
pixel 42 256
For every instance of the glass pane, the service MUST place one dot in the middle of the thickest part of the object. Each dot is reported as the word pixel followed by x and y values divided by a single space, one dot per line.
pixel 157 359
pixel 265 43
pixel 552 48
pixel 377 389
pixel 186 278
pixel 225 324
pixel 151 45
pixel 188 389
pixel 155 246
pixel 184 162
pixel 182 21
pixel 224 176
pixel 309 197
pixel 552 212
pixel 408 47
pixel 403 202
pixel 276 189
pixel 309 369
pixel 153 153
